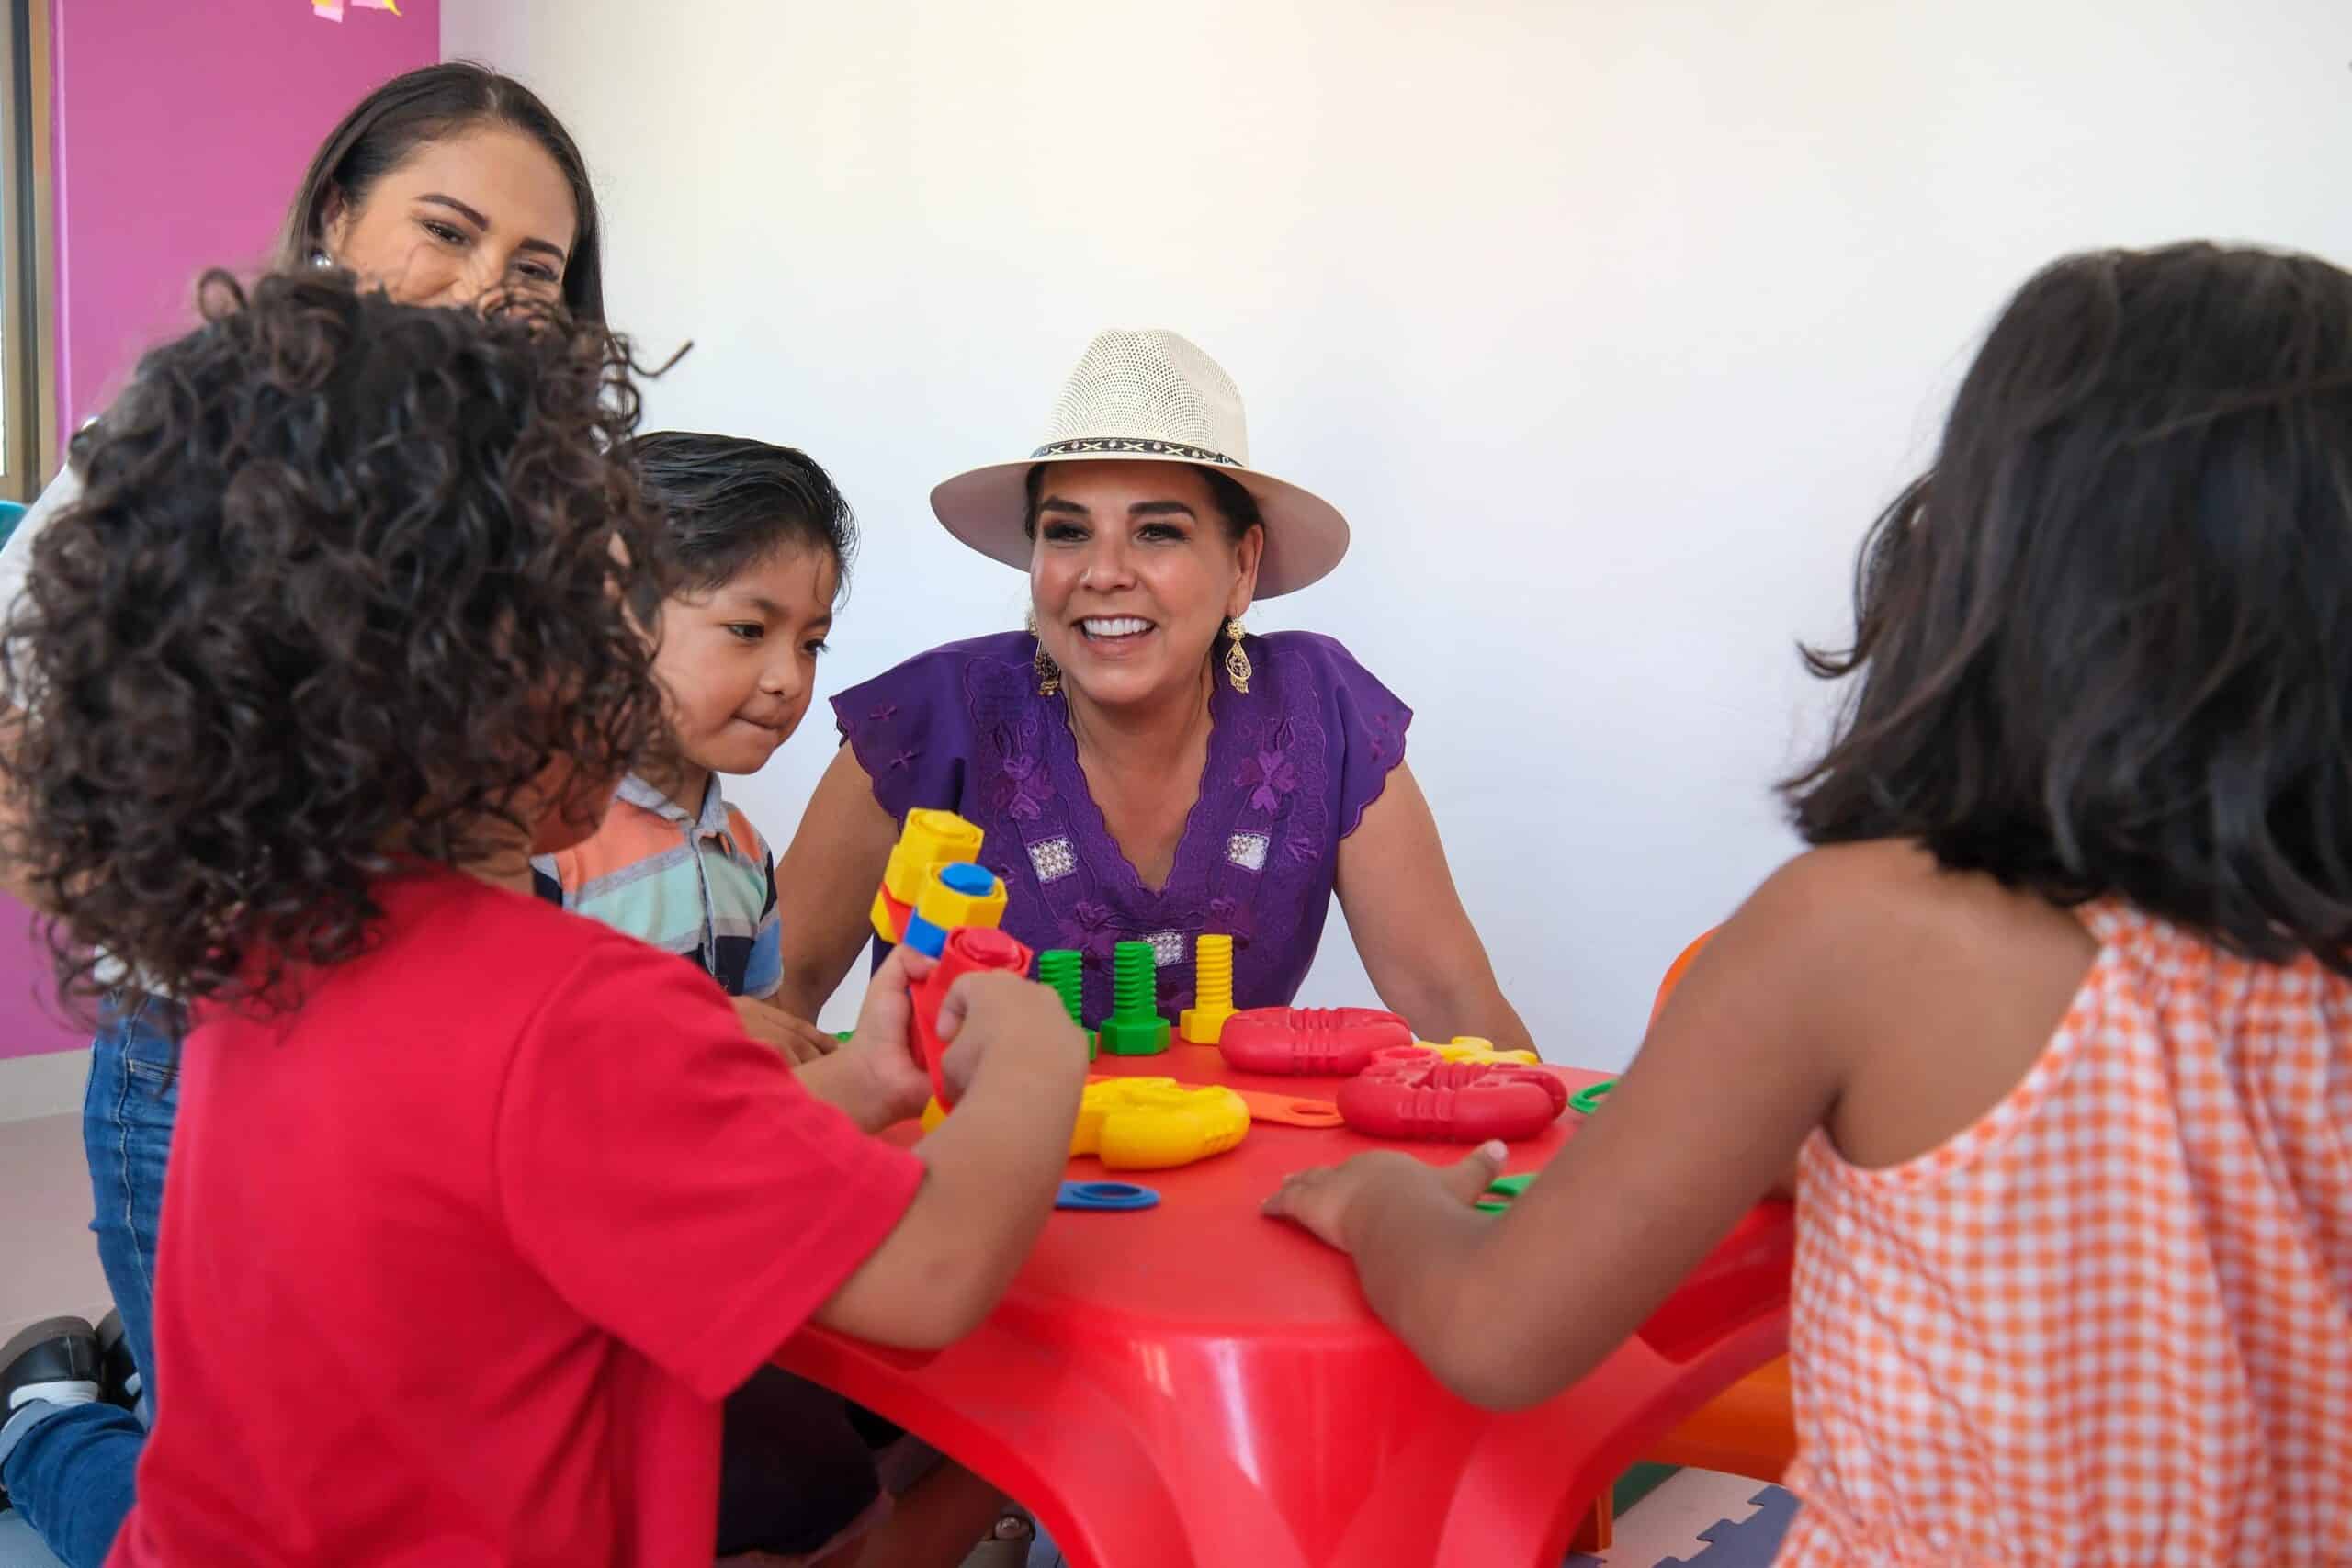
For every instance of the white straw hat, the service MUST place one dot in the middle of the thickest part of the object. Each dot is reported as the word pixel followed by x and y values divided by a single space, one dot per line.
pixel 1149 397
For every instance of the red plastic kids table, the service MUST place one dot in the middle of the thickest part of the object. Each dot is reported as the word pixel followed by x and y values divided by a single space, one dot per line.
pixel 1194 1384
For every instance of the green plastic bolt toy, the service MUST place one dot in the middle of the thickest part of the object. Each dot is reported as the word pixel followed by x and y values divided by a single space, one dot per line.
pixel 1135 1027
pixel 1061 968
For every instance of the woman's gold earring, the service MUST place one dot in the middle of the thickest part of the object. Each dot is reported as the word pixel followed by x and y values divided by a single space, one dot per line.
pixel 1237 658
pixel 1049 674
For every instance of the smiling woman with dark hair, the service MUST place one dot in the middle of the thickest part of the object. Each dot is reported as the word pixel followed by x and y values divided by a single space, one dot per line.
pixel 1145 769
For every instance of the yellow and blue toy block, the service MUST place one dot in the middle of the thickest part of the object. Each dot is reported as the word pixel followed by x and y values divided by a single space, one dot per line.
pixel 953 895
pixel 928 843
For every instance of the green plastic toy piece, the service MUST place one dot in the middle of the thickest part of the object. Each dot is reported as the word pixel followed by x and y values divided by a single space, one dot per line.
pixel 1586 1100
pixel 1509 1187
pixel 1063 969
pixel 1135 1027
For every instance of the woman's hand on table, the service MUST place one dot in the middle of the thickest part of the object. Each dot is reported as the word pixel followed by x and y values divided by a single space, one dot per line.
pixel 1321 1202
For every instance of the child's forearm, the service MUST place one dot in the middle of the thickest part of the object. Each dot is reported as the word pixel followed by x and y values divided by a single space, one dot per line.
pixel 998 1163
pixel 994 1166
pixel 843 1081
pixel 1418 1252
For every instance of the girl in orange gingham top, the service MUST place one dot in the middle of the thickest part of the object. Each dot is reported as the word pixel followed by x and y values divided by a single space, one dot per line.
pixel 2053 1021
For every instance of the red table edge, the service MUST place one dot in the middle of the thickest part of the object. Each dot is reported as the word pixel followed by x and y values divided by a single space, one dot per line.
pixel 872 1376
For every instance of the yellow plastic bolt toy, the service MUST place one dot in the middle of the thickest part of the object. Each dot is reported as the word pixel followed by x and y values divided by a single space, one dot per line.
pixel 1212 991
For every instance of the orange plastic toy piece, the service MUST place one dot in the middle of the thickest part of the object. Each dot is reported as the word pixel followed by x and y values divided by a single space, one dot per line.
pixel 1411 1094
pixel 1154 1123
pixel 1334 1041
pixel 1290 1109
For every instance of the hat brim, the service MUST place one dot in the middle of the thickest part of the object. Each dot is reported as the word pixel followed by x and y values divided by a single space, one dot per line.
pixel 1305 536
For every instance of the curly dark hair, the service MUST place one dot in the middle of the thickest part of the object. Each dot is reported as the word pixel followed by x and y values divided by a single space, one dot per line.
pixel 2105 645
pixel 350 582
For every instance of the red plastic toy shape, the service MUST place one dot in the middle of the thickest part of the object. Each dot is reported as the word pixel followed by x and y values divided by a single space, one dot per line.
pixel 1412 1094
pixel 969 948
pixel 1337 1042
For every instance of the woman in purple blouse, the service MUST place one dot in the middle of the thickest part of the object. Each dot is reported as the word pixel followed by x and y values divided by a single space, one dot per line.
pixel 1143 769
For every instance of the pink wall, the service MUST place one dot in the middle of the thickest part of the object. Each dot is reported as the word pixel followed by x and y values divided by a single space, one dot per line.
pixel 181 128
pixel 32 1021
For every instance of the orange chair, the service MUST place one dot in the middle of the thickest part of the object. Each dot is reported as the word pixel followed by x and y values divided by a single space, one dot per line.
pixel 1747 1429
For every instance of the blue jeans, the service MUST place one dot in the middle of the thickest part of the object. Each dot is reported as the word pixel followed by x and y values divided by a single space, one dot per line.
pixel 68 1468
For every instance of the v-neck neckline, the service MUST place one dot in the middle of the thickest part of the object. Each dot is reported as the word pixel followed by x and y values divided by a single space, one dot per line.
pixel 1065 735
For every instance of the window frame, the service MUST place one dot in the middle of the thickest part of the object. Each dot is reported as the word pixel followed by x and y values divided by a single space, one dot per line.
pixel 29 438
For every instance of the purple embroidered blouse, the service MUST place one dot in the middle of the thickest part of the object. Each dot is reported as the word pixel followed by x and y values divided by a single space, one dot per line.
pixel 1291 768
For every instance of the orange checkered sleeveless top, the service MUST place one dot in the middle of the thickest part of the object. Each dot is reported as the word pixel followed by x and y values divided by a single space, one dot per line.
pixel 2111 1322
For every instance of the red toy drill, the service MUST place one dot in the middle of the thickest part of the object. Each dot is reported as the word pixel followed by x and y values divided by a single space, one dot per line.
pixel 1332 1041
pixel 1415 1094
pixel 969 948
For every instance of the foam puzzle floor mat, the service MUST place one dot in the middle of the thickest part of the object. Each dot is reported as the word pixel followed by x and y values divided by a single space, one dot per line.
pixel 1696 1518
pixel 1699 1520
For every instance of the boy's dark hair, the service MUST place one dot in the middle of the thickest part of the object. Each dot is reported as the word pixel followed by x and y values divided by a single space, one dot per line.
pixel 730 501
pixel 388 126
pixel 346 577
pixel 2106 643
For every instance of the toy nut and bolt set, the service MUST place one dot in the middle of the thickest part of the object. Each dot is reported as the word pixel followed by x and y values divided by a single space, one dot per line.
pixel 937 899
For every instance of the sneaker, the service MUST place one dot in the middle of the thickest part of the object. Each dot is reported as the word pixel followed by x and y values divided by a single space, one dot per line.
pixel 121 1380
pixel 54 1360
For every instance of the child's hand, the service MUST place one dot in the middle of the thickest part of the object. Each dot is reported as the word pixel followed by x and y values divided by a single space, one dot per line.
pixel 897 1087
pixel 1002 1016
pixel 1320 1200
pixel 799 1040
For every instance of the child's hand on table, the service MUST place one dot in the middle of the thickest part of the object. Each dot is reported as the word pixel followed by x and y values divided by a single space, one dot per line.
pixel 1323 1202
pixel 799 1040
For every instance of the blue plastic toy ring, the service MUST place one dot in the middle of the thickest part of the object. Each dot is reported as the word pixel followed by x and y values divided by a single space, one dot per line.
pixel 1107 1197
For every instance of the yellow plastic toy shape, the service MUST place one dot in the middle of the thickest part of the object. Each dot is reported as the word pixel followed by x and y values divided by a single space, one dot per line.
pixel 1148 1123
pixel 1470 1048
pixel 1154 1123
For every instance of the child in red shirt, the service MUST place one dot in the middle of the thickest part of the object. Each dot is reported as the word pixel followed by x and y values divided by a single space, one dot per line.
pixel 478 1207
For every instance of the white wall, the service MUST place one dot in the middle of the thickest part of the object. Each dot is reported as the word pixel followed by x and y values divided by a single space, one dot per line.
pixel 1609 323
